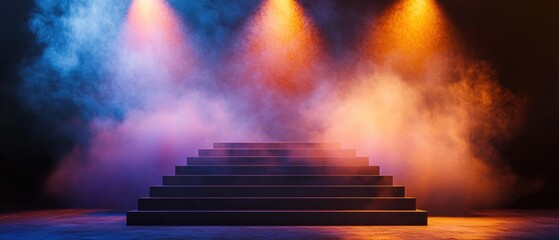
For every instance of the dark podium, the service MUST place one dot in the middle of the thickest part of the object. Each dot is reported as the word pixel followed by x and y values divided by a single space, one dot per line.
pixel 277 183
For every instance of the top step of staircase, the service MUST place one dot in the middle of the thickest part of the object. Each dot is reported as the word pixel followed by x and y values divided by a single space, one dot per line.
pixel 318 152
pixel 276 145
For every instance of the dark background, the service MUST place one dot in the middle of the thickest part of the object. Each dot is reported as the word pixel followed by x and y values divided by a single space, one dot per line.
pixel 519 38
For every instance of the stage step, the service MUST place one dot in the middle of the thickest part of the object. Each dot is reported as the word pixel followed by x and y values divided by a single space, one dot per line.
pixel 278 217
pixel 276 170
pixel 278 161
pixel 278 191
pixel 277 183
pixel 277 180
pixel 276 203
pixel 287 145
pixel 319 152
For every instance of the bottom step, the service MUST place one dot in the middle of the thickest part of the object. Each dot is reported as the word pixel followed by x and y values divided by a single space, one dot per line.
pixel 278 217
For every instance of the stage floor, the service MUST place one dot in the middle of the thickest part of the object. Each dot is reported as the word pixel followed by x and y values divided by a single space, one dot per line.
pixel 103 224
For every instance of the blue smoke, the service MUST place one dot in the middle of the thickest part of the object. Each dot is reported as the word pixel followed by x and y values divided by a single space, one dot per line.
pixel 68 78
pixel 72 87
pixel 215 23
pixel 71 76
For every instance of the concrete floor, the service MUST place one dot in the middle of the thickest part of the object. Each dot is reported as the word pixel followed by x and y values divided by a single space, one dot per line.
pixel 102 224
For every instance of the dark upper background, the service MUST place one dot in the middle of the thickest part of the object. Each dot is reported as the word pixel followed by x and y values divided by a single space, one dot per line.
pixel 519 38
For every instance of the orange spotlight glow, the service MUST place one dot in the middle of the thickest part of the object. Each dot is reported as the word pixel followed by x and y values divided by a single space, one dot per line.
pixel 427 112
pixel 282 47
pixel 153 36
pixel 410 34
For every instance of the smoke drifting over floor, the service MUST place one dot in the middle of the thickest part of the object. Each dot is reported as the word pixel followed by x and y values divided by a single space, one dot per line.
pixel 143 84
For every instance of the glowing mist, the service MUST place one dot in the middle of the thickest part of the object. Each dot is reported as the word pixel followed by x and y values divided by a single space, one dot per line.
pixel 144 93
pixel 275 70
pixel 163 117
pixel 154 53
pixel 282 48
pixel 410 37
pixel 426 113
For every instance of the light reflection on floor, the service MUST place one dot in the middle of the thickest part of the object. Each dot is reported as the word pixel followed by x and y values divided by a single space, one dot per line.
pixel 102 224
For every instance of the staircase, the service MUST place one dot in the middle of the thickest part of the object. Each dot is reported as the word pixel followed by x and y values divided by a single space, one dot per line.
pixel 284 183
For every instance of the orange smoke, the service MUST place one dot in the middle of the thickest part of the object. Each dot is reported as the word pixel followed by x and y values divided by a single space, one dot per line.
pixel 282 47
pixel 427 113
pixel 410 35
pixel 437 142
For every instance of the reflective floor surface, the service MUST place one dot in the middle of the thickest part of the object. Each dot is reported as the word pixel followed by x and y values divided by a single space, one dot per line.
pixel 103 224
